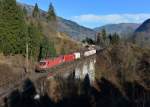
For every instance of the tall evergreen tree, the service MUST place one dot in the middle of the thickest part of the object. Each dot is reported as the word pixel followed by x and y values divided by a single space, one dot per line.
pixel 1 24
pixel 25 11
pixel 51 17
pixel 36 12
pixel 12 27
pixel 110 38
pixel 51 13
pixel 47 49
pixel 33 40
pixel 115 39
pixel 1 7
pixel 103 33
pixel 98 38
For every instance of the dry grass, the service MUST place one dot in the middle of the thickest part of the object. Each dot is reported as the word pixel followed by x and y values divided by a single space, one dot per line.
pixel 53 90
pixel 12 68
pixel 66 44
pixel 124 63
pixel 61 40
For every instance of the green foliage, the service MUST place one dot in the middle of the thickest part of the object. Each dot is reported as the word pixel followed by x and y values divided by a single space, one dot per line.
pixel 47 49
pixel 12 27
pixel 102 39
pixel 33 40
pixel 114 39
pixel 15 33
pixel 63 51
pixel 36 13
pixel 1 24
pixel 88 40
pixel 51 13
pixel 104 36
pixel 25 11
pixel 1 7
pixel 98 38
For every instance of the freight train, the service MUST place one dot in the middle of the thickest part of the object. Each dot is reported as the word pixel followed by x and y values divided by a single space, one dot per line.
pixel 46 64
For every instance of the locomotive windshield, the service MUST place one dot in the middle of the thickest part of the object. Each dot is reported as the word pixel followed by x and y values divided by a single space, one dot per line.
pixel 42 63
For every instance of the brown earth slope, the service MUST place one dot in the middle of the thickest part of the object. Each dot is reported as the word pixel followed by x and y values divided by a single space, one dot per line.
pixel 124 63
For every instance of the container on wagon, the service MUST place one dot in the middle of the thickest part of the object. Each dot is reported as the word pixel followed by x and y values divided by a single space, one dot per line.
pixel 77 55
pixel 88 53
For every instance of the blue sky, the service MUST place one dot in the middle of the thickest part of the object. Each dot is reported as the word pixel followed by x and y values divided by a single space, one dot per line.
pixel 93 13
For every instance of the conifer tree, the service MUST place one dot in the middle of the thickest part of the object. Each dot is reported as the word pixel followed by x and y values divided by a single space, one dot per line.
pixel 104 34
pixel 51 17
pixel 34 39
pixel 98 38
pixel 47 49
pixel 12 27
pixel 25 11
pixel 51 13
pixel 1 25
pixel 36 12
pixel 115 39
pixel 1 7
pixel 110 38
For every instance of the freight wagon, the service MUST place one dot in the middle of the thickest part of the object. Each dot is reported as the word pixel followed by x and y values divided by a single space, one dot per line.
pixel 88 53
pixel 77 55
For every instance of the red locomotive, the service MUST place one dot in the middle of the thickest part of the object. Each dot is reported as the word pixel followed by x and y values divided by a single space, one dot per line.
pixel 69 58
pixel 46 64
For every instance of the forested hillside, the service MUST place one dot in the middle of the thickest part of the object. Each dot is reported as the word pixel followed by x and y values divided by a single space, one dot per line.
pixel 20 31
pixel 73 29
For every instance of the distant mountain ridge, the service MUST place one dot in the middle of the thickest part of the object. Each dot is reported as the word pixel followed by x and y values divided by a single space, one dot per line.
pixel 145 27
pixel 124 29
pixel 77 31
pixel 73 29
pixel 142 34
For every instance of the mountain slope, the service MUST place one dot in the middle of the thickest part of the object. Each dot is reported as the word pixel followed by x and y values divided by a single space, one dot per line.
pixel 142 34
pixel 124 29
pixel 73 29
pixel 60 39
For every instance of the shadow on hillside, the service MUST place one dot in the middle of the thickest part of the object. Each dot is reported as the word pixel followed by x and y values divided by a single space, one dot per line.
pixel 24 98
pixel 109 96
pixel 137 94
